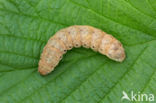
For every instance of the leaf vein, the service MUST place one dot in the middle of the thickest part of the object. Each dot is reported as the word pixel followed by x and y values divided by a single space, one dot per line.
pixel 128 70
pixel 103 16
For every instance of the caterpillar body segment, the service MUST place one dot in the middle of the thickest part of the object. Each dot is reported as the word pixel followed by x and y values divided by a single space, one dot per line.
pixel 76 36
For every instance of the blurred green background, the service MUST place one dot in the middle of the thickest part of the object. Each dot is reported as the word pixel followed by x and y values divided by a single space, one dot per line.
pixel 83 76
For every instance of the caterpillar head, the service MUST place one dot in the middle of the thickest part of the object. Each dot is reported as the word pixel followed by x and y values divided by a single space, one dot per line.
pixel 116 51
pixel 113 50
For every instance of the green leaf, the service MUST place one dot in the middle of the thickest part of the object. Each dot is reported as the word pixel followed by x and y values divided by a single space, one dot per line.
pixel 83 76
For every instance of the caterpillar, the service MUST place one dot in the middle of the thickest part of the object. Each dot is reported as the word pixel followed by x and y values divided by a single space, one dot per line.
pixel 76 36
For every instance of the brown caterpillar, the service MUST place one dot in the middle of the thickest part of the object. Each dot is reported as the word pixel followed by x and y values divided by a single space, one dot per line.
pixel 75 36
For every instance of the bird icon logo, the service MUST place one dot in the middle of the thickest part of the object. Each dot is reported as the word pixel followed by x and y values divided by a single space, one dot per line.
pixel 125 96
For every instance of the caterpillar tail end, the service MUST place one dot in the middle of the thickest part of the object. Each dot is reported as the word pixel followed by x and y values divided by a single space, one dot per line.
pixel 42 72
pixel 44 69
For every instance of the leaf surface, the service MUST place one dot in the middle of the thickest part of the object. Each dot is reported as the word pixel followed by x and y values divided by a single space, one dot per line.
pixel 83 76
